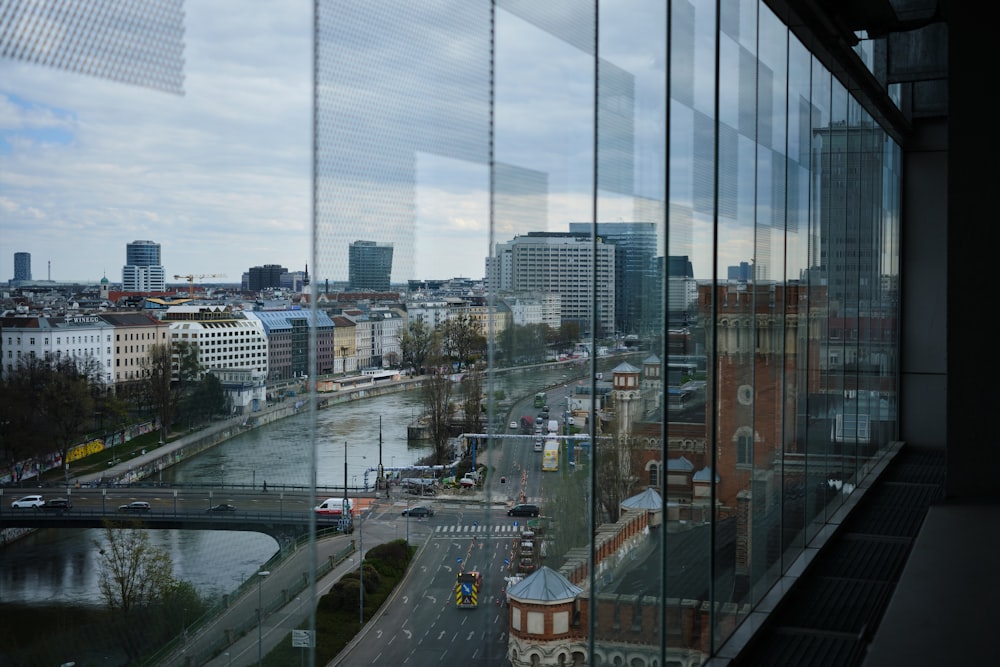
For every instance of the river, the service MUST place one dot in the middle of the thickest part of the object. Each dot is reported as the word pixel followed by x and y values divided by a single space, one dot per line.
pixel 61 565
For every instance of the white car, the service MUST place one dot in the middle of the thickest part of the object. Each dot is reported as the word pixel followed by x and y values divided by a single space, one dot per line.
pixel 513 425
pixel 28 502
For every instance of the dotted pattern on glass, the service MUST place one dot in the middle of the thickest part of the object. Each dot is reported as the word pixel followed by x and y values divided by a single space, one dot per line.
pixel 136 42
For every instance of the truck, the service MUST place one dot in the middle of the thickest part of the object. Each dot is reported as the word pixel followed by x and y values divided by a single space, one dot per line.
pixel 335 506
pixel 527 423
pixel 467 585
pixel 471 479
pixel 550 455
pixel 553 426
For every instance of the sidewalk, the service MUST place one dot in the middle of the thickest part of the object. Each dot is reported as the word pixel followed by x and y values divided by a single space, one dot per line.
pixel 236 627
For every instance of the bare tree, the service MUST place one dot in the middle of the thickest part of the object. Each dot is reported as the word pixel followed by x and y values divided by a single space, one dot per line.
pixel 472 401
pixel 460 338
pixel 137 583
pixel 23 434
pixel 170 371
pixel 158 372
pixel 614 458
pixel 133 573
pixel 437 401
pixel 67 400
pixel 416 341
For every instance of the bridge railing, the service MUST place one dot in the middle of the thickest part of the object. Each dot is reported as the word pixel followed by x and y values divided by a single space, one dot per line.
pixel 202 650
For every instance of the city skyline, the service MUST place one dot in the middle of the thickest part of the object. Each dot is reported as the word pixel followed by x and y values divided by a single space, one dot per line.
pixel 220 176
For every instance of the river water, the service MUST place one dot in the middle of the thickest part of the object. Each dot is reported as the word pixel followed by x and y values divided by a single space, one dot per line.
pixel 60 566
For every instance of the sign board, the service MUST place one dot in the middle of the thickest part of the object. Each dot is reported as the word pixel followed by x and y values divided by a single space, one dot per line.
pixel 303 638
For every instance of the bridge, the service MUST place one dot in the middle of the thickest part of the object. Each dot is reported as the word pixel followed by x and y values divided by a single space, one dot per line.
pixel 277 525
pixel 280 515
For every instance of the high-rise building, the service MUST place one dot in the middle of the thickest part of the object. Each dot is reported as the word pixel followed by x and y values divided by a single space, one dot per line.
pixel 263 277
pixel 739 272
pixel 369 265
pixel 143 271
pixel 635 269
pixel 22 266
pixel 852 270
pixel 564 263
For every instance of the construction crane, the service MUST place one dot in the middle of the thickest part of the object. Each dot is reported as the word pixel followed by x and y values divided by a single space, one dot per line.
pixel 191 278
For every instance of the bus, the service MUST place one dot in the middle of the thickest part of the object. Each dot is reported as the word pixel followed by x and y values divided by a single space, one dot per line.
pixel 550 455
pixel 540 399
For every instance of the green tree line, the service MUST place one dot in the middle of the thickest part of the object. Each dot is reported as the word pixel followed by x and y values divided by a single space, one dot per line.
pixel 49 405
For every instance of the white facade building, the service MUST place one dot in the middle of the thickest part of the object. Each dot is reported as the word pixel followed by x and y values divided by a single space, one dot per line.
pixel 431 313
pixel 134 336
pixel 564 264
pixel 86 339
pixel 227 341
pixel 386 325
pixel 535 309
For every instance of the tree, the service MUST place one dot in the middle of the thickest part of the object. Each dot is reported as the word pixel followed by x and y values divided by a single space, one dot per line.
pixel 133 573
pixel 47 405
pixel 67 401
pixel 170 370
pixel 472 401
pixel 416 342
pixel 569 333
pixel 526 343
pixel 571 529
pixel 206 399
pixel 437 401
pixel 460 338
pixel 615 456
pixel 22 437
pixel 136 580
pixel 158 373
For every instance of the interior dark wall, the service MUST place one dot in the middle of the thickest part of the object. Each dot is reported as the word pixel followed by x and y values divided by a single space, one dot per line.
pixel 973 396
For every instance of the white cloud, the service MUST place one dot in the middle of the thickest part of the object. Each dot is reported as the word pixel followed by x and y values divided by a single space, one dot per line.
pixel 219 176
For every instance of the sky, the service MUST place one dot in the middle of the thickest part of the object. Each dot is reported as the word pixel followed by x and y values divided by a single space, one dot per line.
pixel 221 176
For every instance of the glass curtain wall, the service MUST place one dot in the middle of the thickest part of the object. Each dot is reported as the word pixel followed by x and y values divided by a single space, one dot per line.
pixel 709 223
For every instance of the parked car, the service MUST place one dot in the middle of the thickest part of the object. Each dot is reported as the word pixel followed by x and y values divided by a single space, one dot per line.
pixel 222 507
pixel 523 510
pixel 28 502
pixel 419 511
pixel 136 506
pixel 58 505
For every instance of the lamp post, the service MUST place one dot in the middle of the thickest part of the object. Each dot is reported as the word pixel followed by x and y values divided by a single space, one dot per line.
pixel 361 567
pixel 260 617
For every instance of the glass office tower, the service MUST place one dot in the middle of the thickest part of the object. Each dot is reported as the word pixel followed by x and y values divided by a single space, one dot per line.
pixel 723 438
pixel 709 433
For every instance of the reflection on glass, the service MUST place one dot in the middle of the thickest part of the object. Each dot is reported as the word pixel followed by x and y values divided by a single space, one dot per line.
pixel 657 250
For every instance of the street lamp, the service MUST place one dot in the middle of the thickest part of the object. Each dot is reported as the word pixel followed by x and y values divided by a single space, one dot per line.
pixel 260 617
pixel 361 567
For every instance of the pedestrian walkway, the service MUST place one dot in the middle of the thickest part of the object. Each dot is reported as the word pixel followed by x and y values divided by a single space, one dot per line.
pixel 475 529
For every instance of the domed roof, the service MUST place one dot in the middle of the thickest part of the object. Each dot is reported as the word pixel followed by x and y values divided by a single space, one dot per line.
pixel 544 585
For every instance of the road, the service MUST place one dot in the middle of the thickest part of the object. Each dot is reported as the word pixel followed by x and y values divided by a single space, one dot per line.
pixel 420 624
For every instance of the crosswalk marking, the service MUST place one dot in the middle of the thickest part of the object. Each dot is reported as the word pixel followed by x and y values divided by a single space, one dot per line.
pixel 479 529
